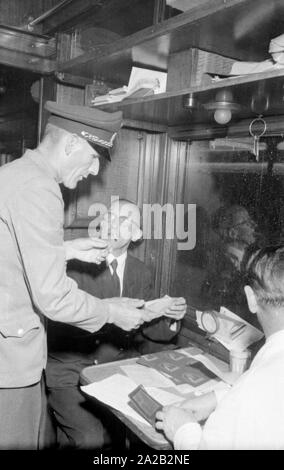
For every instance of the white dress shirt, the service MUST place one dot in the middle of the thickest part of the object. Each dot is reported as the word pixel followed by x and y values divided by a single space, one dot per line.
pixel 251 414
pixel 120 267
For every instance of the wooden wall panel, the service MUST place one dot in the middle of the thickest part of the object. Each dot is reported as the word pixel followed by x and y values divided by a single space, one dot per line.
pixel 18 12
pixel 175 178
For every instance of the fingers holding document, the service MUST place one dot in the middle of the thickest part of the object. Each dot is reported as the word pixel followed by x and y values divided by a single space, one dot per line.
pixel 177 309
pixel 171 418
pixel 89 250
pixel 126 313
pixel 171 307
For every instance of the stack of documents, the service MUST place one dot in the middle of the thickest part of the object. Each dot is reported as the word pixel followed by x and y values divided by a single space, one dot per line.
pixel 142 82
pixel 112 96
pixel 114 391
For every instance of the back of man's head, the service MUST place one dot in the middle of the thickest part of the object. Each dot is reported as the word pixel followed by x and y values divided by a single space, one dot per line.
pixel 264 273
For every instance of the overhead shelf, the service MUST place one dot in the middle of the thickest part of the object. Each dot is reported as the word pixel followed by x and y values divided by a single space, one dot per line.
pixel 168 109
pixel 240 29
pixel 26 50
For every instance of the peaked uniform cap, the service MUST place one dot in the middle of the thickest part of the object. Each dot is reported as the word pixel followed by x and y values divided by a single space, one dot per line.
pixel 98 127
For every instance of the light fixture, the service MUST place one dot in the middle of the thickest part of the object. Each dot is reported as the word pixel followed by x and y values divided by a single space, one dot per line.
pixel 223 106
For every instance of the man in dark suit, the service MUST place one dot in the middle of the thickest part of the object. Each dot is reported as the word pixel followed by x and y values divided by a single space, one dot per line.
pixel 72 349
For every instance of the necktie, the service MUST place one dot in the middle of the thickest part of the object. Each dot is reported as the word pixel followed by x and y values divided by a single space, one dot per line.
pixel 115 279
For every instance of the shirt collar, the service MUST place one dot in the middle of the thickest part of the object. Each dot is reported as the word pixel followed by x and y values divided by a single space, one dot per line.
pixel 273 344
pixel 276 337
pixel 120 259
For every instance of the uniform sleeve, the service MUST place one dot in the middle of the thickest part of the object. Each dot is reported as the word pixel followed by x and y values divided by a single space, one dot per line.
pixel 37 215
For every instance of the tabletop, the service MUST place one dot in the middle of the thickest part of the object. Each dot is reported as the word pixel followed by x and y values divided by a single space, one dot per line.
pixel 146 433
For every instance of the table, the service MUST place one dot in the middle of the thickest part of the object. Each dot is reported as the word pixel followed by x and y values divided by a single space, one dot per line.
pixel 147 434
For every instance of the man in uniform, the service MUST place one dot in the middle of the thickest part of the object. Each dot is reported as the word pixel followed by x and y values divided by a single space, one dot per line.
pixel 33 283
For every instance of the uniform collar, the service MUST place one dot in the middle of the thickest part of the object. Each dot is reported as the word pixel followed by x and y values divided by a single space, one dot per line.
pixel 42 162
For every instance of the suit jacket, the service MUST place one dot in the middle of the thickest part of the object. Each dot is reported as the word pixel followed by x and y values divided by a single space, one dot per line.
pixel 71 349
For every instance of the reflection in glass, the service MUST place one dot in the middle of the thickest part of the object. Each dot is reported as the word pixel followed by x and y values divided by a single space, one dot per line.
pixel 239 205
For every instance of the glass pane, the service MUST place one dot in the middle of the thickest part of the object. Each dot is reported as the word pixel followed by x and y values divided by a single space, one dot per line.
pixel 239 204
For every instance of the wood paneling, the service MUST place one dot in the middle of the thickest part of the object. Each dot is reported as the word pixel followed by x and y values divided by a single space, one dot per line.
pixel 174 180
pixel 240 29
pixel 122 16
pixel 18 12
pixel 18 111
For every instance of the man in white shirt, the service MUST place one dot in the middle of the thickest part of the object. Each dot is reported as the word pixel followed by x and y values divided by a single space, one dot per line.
pixel 251 414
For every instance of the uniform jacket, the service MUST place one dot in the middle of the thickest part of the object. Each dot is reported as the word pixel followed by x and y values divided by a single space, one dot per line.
pixel 33 281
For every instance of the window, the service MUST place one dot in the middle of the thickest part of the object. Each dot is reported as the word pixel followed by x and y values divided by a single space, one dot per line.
pixel 222 173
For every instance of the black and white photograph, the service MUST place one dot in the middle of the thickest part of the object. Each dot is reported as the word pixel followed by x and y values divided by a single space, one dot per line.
pixel 141 229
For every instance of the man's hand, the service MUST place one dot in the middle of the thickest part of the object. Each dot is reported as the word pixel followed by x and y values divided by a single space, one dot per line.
pixel 171 307
pixel 201 406
pixel 125 312
pixel 177 310
pixel 171 418
pixel 90 250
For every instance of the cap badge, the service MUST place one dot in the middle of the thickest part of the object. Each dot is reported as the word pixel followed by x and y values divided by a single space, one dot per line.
pixel 94 138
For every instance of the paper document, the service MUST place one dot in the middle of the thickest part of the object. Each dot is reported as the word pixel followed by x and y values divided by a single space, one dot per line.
pixel 218 368
pixel 114 392
pixel 146 79
pixel 233 332
pixel 159 306
pixel 142 82
pixel 146 376
pixel 243 68
pixel 246 336
pixel 164 397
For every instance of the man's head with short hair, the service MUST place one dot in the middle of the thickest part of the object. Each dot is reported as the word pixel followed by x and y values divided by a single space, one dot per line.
pixel 121 225
pixel 71 156
pixel 75 138
pixel 264 278
pixel 234 225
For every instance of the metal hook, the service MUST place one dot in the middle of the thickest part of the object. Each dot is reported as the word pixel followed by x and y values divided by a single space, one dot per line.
pixel 258 119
